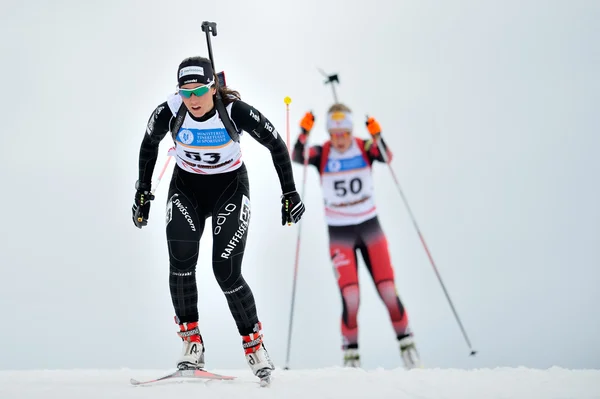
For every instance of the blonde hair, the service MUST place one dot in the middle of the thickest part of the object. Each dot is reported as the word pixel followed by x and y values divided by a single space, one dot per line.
pixel 339 107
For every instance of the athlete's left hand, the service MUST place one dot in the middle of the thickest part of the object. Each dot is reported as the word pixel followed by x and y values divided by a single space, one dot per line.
pixel 373 126
pixel 292 208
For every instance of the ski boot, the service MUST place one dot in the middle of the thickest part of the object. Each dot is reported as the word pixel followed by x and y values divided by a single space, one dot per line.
pixel 192 354
pixel 409 353
pixel 257 356
pixel 351 357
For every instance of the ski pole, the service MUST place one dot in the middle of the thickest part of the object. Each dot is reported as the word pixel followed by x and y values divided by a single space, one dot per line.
pixel 383 152
pixel 153 190
pixel 287 101
pixel 297 256
pixel 162 172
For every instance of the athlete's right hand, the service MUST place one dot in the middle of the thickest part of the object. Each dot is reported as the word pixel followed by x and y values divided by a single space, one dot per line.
pixel 141 205
pixel 307 122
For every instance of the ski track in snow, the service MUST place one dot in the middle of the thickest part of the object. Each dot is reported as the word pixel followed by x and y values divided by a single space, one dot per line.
pixel 335 382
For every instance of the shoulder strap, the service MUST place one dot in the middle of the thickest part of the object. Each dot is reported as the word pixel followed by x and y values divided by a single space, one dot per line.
pixel 363 149
pixel 181 113
pixel 178 121
pixel 324 155
pixel 233 133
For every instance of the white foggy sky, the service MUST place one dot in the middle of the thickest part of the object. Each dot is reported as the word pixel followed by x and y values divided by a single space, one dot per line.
pixel 489 106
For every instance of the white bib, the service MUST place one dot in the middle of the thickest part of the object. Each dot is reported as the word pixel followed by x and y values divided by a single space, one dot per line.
pixel 347 186
pixel 204 147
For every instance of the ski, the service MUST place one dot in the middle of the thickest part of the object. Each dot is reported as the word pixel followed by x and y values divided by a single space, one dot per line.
pixel 186 374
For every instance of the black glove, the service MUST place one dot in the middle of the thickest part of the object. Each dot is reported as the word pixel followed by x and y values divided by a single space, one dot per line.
pixel 292 208
pixel 141 204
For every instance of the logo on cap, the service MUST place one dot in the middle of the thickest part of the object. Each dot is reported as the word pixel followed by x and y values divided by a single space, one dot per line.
pixel 191 70
pixel 338 116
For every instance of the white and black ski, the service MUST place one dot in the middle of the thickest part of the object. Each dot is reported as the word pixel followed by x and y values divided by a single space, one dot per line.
pixel 185 374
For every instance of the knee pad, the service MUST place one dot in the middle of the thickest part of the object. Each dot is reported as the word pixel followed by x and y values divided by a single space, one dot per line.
pixel 228 274
pixel 183 255
pixel 351 297
pixel 387 291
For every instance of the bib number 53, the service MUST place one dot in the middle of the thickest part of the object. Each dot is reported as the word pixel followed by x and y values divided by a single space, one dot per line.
pixel 211 158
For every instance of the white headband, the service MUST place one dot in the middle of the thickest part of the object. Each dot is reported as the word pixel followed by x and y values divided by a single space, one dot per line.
pixel 339 120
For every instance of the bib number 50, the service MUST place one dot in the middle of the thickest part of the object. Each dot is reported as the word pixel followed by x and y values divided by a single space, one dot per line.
pixel 342 187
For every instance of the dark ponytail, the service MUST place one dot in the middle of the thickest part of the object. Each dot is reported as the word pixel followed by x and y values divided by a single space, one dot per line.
pixel 227 95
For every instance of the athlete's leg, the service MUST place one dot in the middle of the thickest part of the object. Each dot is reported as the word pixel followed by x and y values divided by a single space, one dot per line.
pixel 374 248
pixel 375 252
pixel 184 229
pixel 231 219
pixel 342 250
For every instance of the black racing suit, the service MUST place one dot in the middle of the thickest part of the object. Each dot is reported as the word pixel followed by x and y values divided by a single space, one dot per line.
pixel 225 197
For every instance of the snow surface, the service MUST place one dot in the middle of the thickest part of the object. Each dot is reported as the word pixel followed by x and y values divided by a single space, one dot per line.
pixel 325 383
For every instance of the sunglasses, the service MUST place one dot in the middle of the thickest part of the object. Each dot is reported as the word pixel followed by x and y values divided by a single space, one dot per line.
pixel 198 91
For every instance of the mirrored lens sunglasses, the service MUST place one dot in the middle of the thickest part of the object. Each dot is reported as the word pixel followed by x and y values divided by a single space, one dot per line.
pixel 198 91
